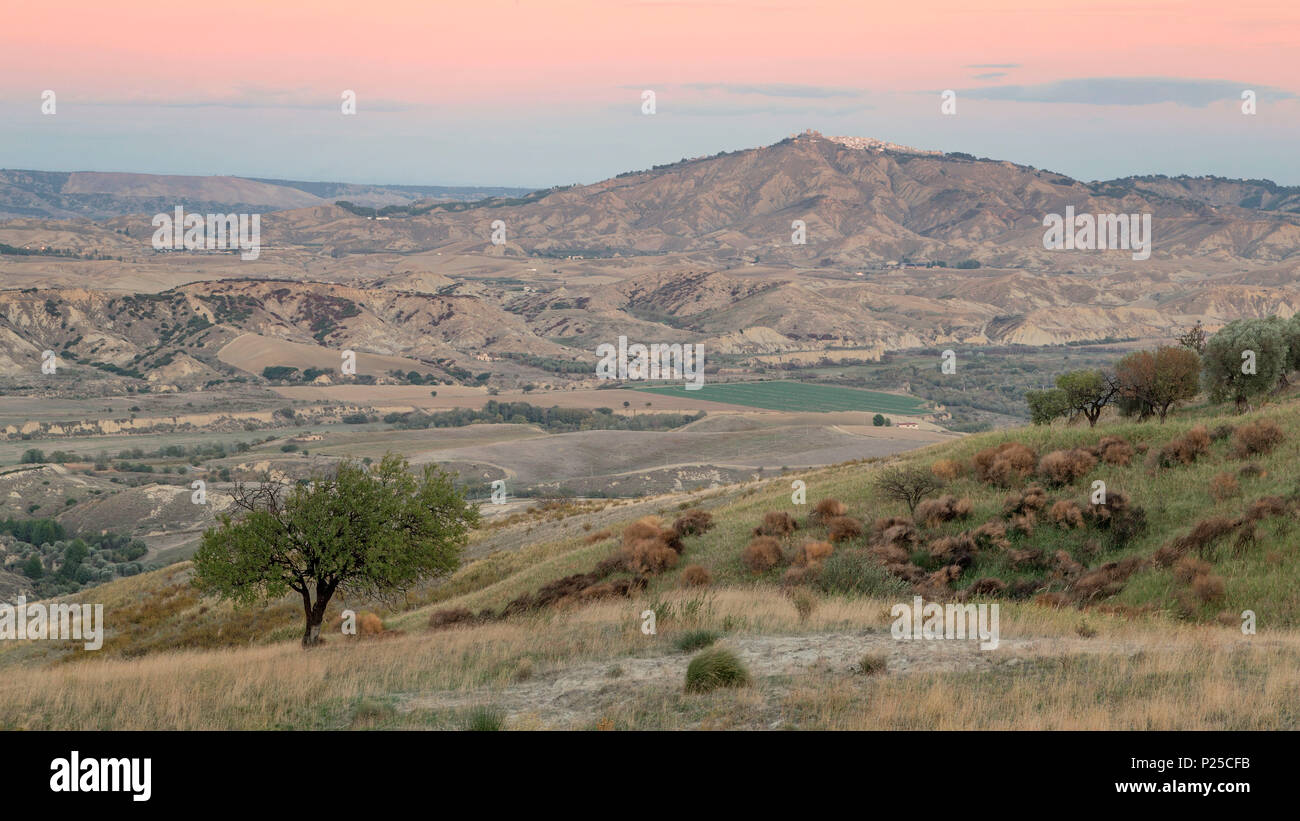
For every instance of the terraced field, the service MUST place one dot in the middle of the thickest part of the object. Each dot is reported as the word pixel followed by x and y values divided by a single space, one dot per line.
pixel 797 396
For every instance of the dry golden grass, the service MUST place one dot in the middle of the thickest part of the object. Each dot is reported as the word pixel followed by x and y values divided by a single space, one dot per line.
pixel 355 683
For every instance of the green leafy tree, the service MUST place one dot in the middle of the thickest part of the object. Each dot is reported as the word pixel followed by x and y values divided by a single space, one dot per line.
pixel 32 568
pixel 1045 406
pixel 1087 393
pixel 1244 359
pixel 369 531
pixel 878 420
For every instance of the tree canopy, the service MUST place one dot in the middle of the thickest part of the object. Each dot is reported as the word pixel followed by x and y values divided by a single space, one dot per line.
pixel 366 530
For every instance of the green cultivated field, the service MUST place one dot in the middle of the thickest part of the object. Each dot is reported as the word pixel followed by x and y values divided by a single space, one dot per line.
pixel 797 396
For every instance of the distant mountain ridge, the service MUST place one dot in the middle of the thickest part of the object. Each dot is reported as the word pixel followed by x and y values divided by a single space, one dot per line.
pixel 101 195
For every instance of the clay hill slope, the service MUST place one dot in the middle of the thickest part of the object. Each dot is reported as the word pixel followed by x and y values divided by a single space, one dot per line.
pixel 862 206
pixel 204 331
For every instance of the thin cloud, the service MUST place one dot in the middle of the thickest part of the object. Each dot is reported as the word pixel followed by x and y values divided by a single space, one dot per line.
pixel 1125 91
pixel 788 90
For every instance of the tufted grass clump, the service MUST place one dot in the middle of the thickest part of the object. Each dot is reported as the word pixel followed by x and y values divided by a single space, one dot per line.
pixel 715 668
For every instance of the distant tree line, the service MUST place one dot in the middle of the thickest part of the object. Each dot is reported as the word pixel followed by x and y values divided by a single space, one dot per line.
pixel 1244 360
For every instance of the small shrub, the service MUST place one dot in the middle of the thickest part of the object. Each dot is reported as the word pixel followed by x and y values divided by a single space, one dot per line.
pixel 762 554
pixel 813 553
pixel 1115 450
pixel 776 523
pixel 485 720
pixel 1005 465
pixel 1209 588
pixel 693 640
pixel 694 575
pixel 647 527
pixel 1256 438
pixel 872 664
pixel 693 522
pixel 828 509
pixel 446 618
pixel 368 624
pixel 1185 449
pixel 1224 486
pixel 1251 471
pixel 650 556
pixel 948 469
pixel 1067 514
pixel 1189 567
pixel 714 668
pixel 844 529
pixel 853 573
pixel 804 603
pixel 598 536
pixel 931 512
pixel 1065 467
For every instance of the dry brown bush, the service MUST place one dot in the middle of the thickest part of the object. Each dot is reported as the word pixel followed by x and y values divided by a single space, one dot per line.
pixel 1258 437
pixel 1224 486
pixel 828 509
pixel 1251 471
pixel 956 550
pixel 762 554
pixel 1053 600
pixel 776 523
pixel 693 522
pixel 1006 464
pixel 844 528
pixel 813 553
pixel 1024 558
pixel 598 536
pixel 1185 449
pixel 650 556
pixel 452 616
pixel 992 535
pixel 1189 567
pixel 1266 507
pixel 694 575
pixel 987 586
pixel 1065 467
pixel 1209 588
pixel 368 624
pixel 1030 500
pixel 1115 450
pixel 647 527
pixel 948 469
pixel 931 512
pixel 1067 514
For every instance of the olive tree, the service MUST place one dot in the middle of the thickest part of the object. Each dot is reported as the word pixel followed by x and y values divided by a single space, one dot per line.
pixel 367 530
pixel 1245 358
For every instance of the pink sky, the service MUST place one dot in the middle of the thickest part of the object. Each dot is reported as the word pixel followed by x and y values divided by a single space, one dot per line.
pixel 544 92
pixel 487 51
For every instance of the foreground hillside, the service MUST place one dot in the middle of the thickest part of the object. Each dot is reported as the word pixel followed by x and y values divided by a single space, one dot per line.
pixel 1124 615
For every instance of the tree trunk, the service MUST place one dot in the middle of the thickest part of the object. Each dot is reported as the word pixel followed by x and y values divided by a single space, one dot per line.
pixel 315 614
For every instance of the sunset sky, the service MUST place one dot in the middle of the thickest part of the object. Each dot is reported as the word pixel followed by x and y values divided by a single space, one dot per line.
pixel 534 93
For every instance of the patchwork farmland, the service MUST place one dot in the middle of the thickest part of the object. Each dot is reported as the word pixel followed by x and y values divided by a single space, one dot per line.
pixel 797 396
